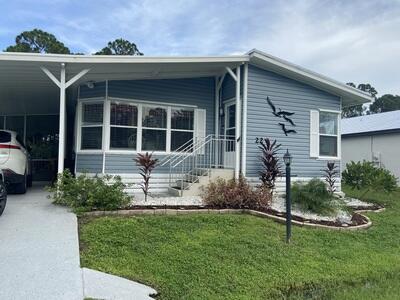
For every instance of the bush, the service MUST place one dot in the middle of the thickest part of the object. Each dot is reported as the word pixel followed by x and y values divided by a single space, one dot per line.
pixel 236 194
pixel 364 175
pixel 313 196
pixel 85 193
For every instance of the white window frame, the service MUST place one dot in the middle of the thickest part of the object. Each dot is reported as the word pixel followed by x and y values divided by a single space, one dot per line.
pixel 166 129
pixel 337 135
pixel 106 139
pixel 122 126
pixel 81 102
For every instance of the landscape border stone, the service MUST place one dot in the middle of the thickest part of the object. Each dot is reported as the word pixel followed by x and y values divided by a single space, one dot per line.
pixel 171 211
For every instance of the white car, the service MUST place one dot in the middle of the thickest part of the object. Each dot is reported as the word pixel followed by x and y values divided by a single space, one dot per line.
pixel 14 162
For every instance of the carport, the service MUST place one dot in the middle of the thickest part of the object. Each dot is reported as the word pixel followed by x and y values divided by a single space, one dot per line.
pixel 35 86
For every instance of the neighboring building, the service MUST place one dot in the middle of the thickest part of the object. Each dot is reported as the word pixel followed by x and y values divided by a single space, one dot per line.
pixel 192 112
pixel 373 138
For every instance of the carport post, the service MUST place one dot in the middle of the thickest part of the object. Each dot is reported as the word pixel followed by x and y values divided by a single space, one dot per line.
pixel 63 85
pixel 61 133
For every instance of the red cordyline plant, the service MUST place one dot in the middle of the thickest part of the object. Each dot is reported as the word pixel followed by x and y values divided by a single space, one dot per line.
pixel 270 163
pixel 146 165
pixel 330 173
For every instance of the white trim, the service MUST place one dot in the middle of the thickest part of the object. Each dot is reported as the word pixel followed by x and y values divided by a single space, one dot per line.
pixel 106 59
pixel 244 115
pixel 216 108
pixel 94 99
pixel 238 125
pixel 107 126
pixel 337 135
pixel 154 103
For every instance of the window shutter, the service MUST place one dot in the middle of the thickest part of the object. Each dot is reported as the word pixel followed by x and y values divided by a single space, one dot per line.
pixel 314 133
pixel 200 127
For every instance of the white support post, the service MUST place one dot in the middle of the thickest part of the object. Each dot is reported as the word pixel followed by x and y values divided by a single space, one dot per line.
pixel 216 108
pixel 244 121
pixel 216 116
pixel 63 85
pixel 62 121
pixel 238 124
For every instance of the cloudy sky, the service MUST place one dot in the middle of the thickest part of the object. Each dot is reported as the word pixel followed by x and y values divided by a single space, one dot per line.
pixel 356 41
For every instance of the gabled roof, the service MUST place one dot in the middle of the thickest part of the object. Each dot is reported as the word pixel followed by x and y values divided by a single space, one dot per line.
pixel 376 123
pixel 350 96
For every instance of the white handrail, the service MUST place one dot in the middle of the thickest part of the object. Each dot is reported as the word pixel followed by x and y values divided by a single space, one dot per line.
pixel 212 152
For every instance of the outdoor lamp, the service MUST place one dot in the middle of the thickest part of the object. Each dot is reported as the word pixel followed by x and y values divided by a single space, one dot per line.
pixel 287 158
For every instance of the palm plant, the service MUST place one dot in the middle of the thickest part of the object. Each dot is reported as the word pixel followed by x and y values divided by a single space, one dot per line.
pixel 271 168
pixel 330 173
pixel 146 165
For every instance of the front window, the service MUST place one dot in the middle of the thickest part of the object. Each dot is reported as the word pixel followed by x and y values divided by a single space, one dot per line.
pixel 123 126
pixel 136 126
pixel 182 127
pixel 328 133
pixel 92 126
pixel 154 129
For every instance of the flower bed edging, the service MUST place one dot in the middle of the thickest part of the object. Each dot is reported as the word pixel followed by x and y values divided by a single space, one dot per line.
pixel 169 211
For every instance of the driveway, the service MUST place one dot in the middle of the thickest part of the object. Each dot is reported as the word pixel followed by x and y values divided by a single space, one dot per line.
pixel 39 250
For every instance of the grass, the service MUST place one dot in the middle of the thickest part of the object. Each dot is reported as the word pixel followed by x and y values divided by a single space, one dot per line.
pixel 245 257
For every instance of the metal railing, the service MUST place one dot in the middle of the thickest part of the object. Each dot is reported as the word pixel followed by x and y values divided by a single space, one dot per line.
pixel 197 157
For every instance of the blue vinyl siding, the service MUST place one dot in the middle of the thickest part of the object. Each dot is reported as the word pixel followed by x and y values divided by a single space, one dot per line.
pixel 99 90
pixel 89 163
pixel 192 91
pixel 124 164
pixel 292 96
pixel 228 88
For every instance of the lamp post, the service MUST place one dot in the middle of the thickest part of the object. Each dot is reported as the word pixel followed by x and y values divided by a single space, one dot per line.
pixel 287 158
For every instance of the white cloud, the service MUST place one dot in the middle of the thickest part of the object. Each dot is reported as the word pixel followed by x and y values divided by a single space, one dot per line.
pixel 355 41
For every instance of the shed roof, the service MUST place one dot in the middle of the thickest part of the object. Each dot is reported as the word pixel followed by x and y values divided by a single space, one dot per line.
pixel 383 122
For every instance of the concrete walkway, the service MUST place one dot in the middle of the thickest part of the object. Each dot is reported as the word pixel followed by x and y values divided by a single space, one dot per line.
pixel 39 251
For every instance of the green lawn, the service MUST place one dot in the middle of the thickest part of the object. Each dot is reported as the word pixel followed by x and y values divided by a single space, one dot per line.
pixel 245 257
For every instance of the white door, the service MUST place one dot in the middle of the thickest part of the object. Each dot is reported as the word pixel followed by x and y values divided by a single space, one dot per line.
pixel 230 131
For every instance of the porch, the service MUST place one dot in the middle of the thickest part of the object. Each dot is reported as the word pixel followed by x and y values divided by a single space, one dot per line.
pixel 34 87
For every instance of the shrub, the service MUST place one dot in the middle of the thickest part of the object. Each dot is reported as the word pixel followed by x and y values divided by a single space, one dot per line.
pixel 364 175
pixel 330 172
pixel 146 165
pixel 270 163
pixel 85 193
pixel 236 194
pixel 313 196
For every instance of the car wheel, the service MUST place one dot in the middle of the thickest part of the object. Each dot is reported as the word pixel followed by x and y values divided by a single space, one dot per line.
pixel 3 197
pixel 20 188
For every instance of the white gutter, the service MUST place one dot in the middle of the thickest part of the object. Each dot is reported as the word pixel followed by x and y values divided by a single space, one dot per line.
pixel 66 58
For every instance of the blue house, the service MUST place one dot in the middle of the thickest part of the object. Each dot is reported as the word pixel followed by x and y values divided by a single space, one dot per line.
pixel 200 116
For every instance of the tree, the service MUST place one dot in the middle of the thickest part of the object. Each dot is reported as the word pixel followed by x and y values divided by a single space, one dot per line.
pixel 385 103
pixel 120 47
pixel 38 41
pixel 358 110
